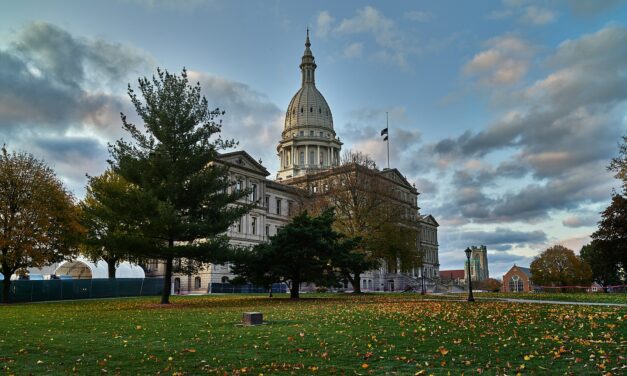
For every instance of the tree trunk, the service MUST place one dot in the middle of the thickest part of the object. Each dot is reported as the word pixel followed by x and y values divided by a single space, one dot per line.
pixel 111 267
pixel 167 281
pixel 270 291
pixel 6 289
pixel 295 290
pixel 356 282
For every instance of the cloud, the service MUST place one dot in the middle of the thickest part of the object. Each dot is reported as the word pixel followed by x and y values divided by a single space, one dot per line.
pixel 394 47
pixel 354 50
pixel 419 16
pixel 576 221
pixel 591 7
pixel 505 62
pixel 60 97
pixel 248 113
pixel 538 16
pixel 324 23
pixel 558 133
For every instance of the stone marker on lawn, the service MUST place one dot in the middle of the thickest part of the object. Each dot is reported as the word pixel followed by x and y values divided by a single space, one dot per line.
pixel 252 318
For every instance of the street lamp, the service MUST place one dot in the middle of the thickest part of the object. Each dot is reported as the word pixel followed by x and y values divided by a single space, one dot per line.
pixel 470 297
pixel 422 277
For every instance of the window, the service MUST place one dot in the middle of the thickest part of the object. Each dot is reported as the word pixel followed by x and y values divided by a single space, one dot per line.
pixel 289 207
pixel 238 185
pixel 253 224
pixel 515 284
pixel 311 160
pixel 319 110
pixel 301 110
pixel 197 283
pixel 310 109
pixel 311 133
pixel 321 134
pixel 253 194
pixel 278 206
pixel 225 279
pixel 301 133
pixel 267 230
pixel 321 158
pixel 267 203
pixel 302 158
pixel 239 224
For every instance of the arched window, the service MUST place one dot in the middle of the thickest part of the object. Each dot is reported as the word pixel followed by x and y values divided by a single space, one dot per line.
pixel 225 279
pixel 197 283
pixel 516 284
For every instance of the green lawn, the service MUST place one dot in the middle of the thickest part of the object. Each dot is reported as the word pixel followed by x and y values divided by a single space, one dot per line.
pixel 620 298
pixel 325 334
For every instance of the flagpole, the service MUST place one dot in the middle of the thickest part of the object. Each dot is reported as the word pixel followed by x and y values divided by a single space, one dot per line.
pixel 387 126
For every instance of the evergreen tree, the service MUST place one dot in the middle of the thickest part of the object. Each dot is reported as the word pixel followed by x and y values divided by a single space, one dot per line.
pixel 610 239
pixel 305 250
pixel 605 269
pixel 186 203
pixel 110 224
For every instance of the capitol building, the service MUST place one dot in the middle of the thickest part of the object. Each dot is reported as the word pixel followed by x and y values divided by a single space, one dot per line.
pixel 309 151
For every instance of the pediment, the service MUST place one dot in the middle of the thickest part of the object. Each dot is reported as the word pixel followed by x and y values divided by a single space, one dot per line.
pixel 243 160
pixel 396 176
pixel 430 220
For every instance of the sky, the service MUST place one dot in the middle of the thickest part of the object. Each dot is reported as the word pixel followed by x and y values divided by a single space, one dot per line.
pixel 504 114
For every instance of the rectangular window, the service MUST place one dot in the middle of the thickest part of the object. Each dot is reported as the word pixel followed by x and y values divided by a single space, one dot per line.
pixel 321 134
pixel 311 160
pixel 311 133
pixel 253 224
pixel 253 194
pixel 302 133
pixel 239 224
pixel 289 207
pixel 267 230
pixel 302 158
pixel 238 185
pixel 267 203
pixel 278 206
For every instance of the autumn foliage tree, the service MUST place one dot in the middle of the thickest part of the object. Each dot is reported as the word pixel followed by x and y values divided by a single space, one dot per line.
pixel 38 219
pixel 183 193
pixel 365 208
pixel 559 266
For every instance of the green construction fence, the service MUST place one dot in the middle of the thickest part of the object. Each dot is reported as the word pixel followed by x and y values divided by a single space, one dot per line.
pixel 71 289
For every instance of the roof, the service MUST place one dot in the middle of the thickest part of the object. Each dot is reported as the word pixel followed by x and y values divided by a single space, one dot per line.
pixel 527 271
pixel 242 159
pixel 452 274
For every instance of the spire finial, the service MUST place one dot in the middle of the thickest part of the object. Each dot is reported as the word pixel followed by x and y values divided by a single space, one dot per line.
pixel 307 43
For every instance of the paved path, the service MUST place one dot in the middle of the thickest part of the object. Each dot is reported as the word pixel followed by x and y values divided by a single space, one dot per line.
pixel 509 300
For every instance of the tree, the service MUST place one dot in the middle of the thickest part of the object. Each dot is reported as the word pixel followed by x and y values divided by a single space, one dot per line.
pixel 619 164
pixel 256 266
pixel 108 220
pixel 605 270
pixel 610 239
pixel 38 219
pixel 185 198
pixel 365 208
pixel 490 284
pixel 305 250
pixel 559 266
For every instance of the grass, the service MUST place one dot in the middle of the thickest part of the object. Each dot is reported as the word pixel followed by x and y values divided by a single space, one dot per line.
pixel 325 334
pixel 619 298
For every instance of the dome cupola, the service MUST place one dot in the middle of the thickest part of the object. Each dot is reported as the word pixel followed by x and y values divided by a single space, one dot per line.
pixel 308 141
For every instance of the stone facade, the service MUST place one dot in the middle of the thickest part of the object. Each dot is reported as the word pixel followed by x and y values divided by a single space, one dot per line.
pixel 478 264
pixel 309 154
pixel 517 279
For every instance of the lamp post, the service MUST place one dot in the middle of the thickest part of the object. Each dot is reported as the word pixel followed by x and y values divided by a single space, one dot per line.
pixel 422 277
pixel 470 297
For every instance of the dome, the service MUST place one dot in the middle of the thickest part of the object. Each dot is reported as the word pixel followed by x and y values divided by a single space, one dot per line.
pixel 308 108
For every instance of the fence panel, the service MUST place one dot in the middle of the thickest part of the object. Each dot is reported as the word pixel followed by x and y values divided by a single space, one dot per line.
pixel 50 290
